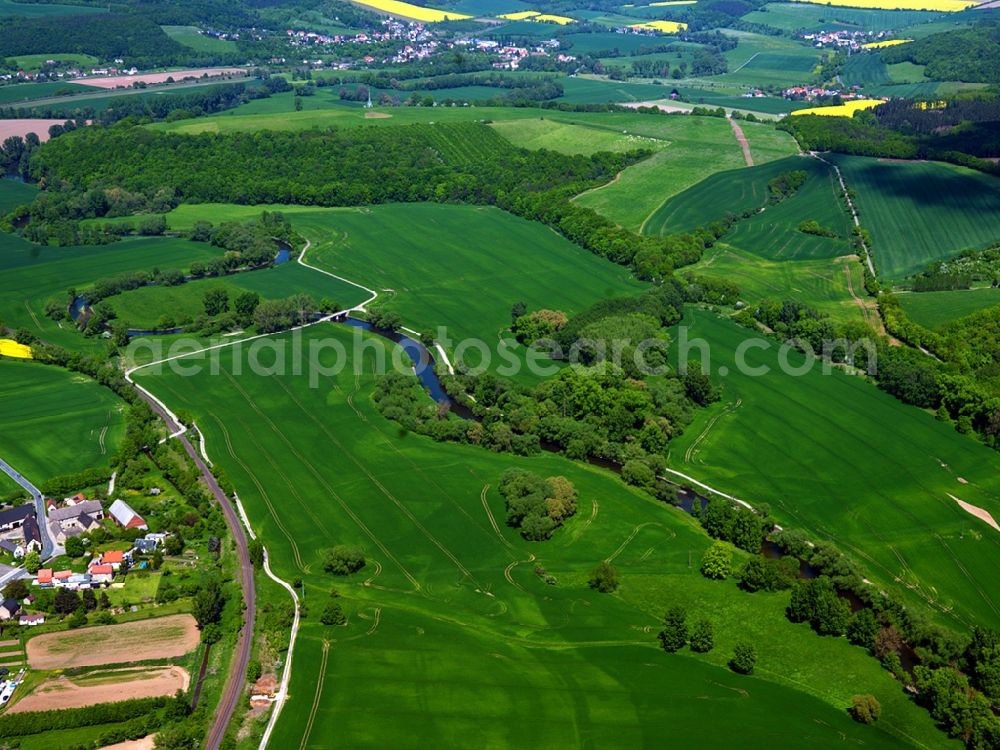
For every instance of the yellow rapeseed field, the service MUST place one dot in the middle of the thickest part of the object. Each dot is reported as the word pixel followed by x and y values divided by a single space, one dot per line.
pixel 534 15
pixel 10 348
pixel 561 20
pixel 886 43
pixel 847 109
pixel 416 12
pixel 667 27
pixel 946 6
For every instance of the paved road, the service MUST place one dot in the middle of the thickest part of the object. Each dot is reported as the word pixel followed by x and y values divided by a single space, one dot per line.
pixel 48 546
pixel 233 692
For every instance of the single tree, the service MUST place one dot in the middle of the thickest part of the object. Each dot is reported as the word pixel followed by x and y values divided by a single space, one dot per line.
pixel 32 562
pixel 674 635
pixel 333 614
pixel 604 578
pixel 702 637
pixel 216 302
pixel 717 561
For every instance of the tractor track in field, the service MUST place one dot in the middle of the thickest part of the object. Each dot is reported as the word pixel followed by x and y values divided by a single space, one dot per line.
pixel 317 696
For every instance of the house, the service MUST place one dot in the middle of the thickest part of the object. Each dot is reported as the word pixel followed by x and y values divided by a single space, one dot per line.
pixel 79 581
pixel 9 608
pixel 61 578
pixel 78 498
pixel 31 620
pixel 101 573
pixel 32 541
pixel 44 577
pixel 13 518
pixel 8 546
pixel 125 517
pixel 113 557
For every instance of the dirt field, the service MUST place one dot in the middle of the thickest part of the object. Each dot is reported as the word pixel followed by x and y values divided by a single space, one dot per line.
pixel 146 743
pixel 662 105
pixel 159 638
pixel 104 687
pixel 23 127
pixel 113 82
pixel 980 513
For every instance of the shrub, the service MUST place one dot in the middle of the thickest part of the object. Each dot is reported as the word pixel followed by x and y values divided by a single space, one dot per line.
pixel 343 560
pixel 744 658
pixel 865 709
pixel 333 614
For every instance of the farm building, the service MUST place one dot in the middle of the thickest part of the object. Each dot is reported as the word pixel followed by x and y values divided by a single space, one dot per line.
pixel 122 514
pixel 44 577
pixel 19 531
pixel 75 519
pixel 9 608
pixel 13 518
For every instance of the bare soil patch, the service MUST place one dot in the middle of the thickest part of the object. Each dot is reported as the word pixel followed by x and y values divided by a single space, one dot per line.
pixel 146 743
pixel 114 82
pixel 660 105
pixel 377 115
pixel 157 638
pixel 23 127
pixel 980 513
pixel 108 687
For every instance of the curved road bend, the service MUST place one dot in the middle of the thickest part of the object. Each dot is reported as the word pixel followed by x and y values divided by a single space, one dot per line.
pixel 48 546
pixel 237 671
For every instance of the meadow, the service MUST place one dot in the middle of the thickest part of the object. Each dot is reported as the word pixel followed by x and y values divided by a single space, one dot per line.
pixel 935 309
pixel 919 212
pixel 190 36
pixel 146 306
pixel 813 447
pixel 815 17
pixel 34 62
pixel 56 422
pixel 448 599
pixel 31 275
pixel 461 267
pixel 824 284
pixel 725 193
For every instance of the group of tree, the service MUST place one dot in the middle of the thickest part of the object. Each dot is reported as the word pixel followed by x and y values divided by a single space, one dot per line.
pixel 333 613
pixel 536 505
pixel 676 634
pixel 343 560
pixel 745 528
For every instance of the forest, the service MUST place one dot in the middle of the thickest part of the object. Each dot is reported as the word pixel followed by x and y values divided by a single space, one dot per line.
pixel 970 54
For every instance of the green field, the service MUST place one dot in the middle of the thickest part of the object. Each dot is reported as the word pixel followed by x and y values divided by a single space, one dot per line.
pixel 21 92
pixel 55 422
pixel 814 447
pixel 735 191
pixel 935 309
pixel 190 37
pixel 919 212
pixel 450 630
pixel 810 17
pixel 822 284
pixel 760 60
pixel 31 275
pixel 14 193
pixel 461 267
pixel 12 8
pixel 696 147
